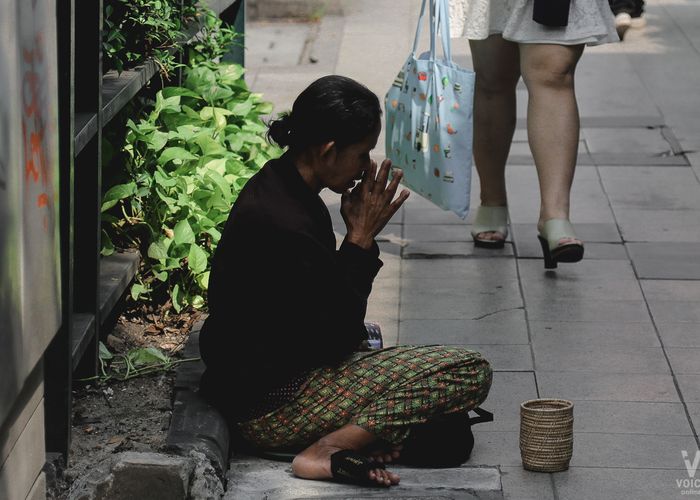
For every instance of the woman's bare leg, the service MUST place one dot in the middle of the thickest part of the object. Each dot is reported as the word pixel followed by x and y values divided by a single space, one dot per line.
pixel 497 67
pixel 315 461
pixel 552 122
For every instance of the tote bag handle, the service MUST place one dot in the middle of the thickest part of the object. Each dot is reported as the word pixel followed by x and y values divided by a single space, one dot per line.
pixel 439 22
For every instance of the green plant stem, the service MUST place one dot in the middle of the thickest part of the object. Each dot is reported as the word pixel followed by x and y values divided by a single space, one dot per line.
pixel 137 372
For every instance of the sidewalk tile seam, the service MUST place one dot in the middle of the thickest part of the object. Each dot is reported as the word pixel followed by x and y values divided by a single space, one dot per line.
pixel 629 433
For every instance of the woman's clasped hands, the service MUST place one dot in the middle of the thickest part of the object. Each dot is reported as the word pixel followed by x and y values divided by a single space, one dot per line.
pixel 368 207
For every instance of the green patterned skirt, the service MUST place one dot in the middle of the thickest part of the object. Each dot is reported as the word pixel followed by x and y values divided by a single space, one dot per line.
pixel 385 392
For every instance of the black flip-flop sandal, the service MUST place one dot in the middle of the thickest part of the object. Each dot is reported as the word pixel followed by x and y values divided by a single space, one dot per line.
pixel 348 466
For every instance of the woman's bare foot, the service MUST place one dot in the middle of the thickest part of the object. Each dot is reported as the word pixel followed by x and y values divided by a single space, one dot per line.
pixel 315 461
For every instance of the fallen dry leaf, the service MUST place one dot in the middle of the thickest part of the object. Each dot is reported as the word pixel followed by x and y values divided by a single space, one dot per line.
pixel 115 440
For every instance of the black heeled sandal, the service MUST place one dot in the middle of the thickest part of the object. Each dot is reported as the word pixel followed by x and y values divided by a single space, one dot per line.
pixel 553 231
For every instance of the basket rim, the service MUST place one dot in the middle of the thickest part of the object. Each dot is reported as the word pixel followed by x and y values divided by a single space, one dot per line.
pixel 565 404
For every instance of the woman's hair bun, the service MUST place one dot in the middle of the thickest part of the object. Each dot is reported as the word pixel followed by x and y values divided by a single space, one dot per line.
pixel 280 130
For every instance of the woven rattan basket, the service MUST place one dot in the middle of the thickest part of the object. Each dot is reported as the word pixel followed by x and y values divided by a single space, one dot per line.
pixel 546 434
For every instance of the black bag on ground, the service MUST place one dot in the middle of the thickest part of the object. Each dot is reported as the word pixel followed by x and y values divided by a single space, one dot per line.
pixel 446 441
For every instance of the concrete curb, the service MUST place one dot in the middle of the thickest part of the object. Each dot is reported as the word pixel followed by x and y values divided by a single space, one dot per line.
pixel 155 476
pixel 254 479
pixel 195 424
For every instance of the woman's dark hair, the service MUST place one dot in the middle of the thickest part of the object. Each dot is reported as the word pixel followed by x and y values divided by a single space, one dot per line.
pixel 333 108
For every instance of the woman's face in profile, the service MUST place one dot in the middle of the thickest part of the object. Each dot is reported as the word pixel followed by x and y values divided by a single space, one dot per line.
pixel 350 164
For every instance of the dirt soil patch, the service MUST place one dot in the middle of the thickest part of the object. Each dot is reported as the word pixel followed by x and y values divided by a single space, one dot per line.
pixel 131 415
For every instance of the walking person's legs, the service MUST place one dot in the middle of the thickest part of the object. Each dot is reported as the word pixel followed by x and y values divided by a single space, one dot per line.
pixel 497 66
pixel 628 14
pixel 553 132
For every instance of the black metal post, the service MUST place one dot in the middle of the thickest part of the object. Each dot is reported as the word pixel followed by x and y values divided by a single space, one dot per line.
pixel 57 360
pixel 88 168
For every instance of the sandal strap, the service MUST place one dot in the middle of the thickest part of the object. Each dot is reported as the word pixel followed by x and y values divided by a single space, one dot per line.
pixel 348 466
pixel 555 230
pixel 490 219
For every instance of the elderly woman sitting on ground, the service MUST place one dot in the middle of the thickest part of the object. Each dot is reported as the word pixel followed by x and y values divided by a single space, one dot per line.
pixel 282 342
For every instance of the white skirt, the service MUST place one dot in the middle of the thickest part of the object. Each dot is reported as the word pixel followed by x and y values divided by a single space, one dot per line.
pixel 590 22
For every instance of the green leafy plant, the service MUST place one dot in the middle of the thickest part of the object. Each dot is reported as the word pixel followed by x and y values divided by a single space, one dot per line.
pixel 160 30
pixel 213 40
pixel 135 363
pixel 138 30
pixel 186 163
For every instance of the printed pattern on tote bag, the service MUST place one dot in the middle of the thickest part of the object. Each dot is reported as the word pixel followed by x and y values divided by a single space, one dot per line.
pixel 429 120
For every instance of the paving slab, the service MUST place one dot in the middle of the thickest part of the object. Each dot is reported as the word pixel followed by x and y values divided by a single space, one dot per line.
pixel 552 355
pixel 520 484
pixel 496 448
pixel 390 331
pixel 587 310
pixel 584 270
pixel 694 411
pixel 475 272
pixel 508 327
pixel 276 44
pixel 598 333
pixel 630 98
pixel 684 360
pixel 668 188
pixel 581 288
pixel 694 160
pixel 665 311
pixel 665 55
pixel 671 290
pixel 679 334
pixel 437 232
pixel 666 260
pixel 257 479
pixel 384 300
pixel 281 88
pixel 609 387
pixel 616 159
pixel 508 390
pixel 629 450
pixel 433 301
pixel 422 215
pixel 623 141
pixel 596 483
pixel 690 387
pixel 447 298
pixel 588 200
pixel 452 249
pixel 507 357
pixel 661 419
pixel 665 226
pixel 624 160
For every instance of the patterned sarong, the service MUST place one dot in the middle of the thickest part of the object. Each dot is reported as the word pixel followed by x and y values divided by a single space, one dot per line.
pixel 385 392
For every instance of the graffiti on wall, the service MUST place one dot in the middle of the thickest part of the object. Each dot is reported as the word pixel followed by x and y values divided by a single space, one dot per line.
pixel 35 128
pixel 30 281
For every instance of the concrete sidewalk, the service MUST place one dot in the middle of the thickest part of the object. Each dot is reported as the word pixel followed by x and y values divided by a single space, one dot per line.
pixel 619 333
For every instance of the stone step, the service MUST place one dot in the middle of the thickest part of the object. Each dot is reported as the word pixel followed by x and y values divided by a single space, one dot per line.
pixel 256 478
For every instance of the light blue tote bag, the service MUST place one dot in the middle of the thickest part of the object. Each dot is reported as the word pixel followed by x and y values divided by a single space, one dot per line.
pixel 429 119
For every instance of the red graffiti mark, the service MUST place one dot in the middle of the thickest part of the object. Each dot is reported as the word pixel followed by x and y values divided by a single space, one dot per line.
pixel 34 108
pixel 30 91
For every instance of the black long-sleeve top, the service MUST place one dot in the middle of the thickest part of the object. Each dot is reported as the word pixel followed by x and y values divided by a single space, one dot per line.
pixel 282 299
